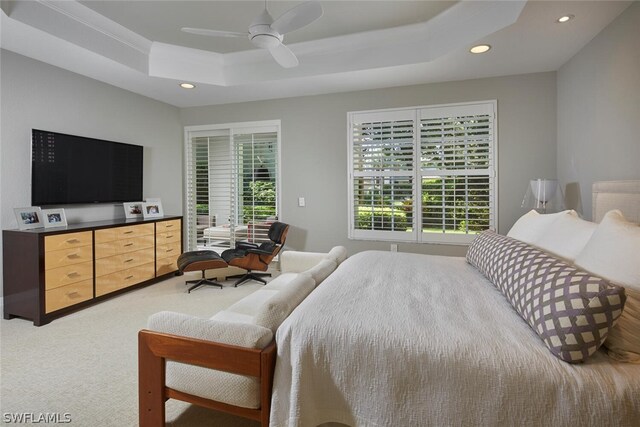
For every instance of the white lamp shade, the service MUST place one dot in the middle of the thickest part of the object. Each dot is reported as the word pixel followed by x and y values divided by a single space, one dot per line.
pixel 544 195
pixel 544 190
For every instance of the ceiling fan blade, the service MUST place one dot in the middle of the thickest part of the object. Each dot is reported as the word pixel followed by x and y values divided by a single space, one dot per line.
pixel 213 33
pixel 298 17
pixel 284 56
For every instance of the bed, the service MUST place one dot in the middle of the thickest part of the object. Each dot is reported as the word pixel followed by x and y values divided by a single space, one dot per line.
pixel 397 339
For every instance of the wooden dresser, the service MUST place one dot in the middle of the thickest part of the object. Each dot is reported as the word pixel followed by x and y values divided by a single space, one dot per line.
pixel 50 273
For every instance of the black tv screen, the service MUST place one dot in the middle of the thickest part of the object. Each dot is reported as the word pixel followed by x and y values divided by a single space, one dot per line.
pixel 68 169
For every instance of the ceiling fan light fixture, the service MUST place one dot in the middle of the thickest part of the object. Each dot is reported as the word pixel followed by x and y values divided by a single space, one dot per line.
pixel 187 85
pixel 480 48
pixel 565 18
pixel 265 41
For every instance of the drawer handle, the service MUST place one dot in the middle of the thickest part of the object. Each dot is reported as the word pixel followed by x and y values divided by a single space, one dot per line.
pixel 168 237
pixel 128 260
pixel 128 277
pixel 128 244
pixel 73 255
pixel 72 274
pixel 169 250
pixel 74 240
pixel 169 225
pixel 73 294
pixel 128 232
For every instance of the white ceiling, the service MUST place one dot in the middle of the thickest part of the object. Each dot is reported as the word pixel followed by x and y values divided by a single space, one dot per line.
pixel 356 45
pixel 161 22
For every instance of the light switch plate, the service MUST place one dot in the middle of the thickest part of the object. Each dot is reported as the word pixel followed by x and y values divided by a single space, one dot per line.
pixel 301 202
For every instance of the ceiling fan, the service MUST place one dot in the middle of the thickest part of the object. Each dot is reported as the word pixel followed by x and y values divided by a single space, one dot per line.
pixel 266 33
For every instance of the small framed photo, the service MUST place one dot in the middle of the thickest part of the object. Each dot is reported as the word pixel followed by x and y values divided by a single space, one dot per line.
pixel 152 209
pixel 133 209
pixel 29 218
pixel 54 218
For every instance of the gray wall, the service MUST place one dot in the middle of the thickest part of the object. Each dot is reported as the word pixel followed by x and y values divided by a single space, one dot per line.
pixel 314 148
pixel 37 95
pixel 599 111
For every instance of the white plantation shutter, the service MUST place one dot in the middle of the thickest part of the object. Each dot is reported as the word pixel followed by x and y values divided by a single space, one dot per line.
pixel 255 191
pixel 423 174
pixel 457 172
pixel 382 175
pixel 208 184
pixel 232 186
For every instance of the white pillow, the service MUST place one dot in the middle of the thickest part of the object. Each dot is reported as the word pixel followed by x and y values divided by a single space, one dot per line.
pixel 566 236
pixel 613 252
pixel 532 225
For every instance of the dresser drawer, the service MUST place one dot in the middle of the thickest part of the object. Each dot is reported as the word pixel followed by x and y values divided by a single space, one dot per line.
pixel 126 232
pixel 134 231
pixel 123 261
pixel 67 241
pixel 168 250
pixel 166 265
pixel 122 246
pixel 123 279
pixel 68 274
pixel 68 295
pixel 172 225
pixel 63 257
pixel 168 237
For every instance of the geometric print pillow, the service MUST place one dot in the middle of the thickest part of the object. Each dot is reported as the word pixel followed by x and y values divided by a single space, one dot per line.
pixel 572 311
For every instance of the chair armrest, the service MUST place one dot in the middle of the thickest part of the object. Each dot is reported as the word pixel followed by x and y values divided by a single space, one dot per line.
pixel 232 333
pixel 297 262
pixel 246 245
pixel 259 252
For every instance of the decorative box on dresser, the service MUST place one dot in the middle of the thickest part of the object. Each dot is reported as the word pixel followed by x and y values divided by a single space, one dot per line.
pixel 49 273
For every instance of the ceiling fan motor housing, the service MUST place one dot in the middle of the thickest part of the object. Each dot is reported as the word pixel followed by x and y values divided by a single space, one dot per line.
pixel 261 34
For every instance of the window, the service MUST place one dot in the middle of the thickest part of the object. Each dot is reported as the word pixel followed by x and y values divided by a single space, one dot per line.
pixel 232 183
pixel 423 174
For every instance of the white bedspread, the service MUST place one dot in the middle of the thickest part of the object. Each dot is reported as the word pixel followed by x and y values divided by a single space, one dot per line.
pixel 393 339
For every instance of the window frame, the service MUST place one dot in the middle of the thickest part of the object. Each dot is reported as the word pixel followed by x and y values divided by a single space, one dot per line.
pixel 417 236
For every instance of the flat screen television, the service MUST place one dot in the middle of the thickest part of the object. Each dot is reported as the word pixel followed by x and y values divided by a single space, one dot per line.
pixel 68 169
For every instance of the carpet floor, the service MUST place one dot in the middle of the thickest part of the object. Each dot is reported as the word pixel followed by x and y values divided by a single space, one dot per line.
pixel 85 364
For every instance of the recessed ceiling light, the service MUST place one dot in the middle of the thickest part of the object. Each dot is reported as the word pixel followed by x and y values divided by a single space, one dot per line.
pixel 187 85
pixel 565 18
pixel 481 48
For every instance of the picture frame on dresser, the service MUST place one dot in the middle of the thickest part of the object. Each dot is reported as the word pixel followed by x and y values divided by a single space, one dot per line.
pixel 29 217
pixel 132 210
pixel 152 209
pixel 54 218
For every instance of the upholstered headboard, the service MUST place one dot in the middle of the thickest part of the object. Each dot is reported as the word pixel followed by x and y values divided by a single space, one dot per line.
pixel 623 195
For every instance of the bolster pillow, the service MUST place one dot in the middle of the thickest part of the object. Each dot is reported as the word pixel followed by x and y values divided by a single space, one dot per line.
pixel 572 311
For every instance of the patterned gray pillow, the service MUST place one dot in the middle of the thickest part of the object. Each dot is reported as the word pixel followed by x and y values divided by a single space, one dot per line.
pixel 571 310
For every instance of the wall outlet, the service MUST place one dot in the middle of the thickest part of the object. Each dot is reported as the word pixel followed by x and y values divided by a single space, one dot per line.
pixel 301 202
pixel 394 247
